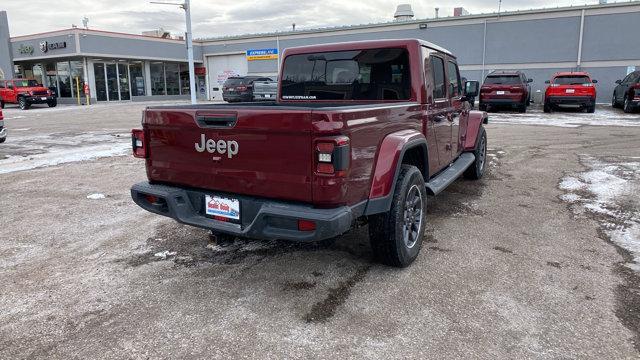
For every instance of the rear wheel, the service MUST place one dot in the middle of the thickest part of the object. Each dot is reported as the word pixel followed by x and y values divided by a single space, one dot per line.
pixel 476 170
pixel 614 102
pixel 1 104
pixel 396 236
pixel 52 103
pixel 591 109
pixel 22 102
pixel 482 107
pixel 522 108
pixel 547 107
pixel 627 105
pixel 3 140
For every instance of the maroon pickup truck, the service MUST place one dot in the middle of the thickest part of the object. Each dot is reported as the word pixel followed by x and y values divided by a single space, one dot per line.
pixel 360 131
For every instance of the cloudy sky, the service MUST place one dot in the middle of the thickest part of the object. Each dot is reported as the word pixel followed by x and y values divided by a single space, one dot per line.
pixel 213 18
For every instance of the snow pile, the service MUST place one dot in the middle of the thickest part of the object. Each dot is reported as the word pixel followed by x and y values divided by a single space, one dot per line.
pixel 96 196
pixel 165 254
pixel 609 191
pixel 604 116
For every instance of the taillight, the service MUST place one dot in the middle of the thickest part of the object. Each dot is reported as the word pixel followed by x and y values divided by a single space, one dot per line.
pixel 306 225
pixel 138 143
pixel 333 155
pixel 241 88
pixel 635 92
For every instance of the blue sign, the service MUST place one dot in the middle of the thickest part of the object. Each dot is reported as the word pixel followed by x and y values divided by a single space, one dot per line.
pixel 262 54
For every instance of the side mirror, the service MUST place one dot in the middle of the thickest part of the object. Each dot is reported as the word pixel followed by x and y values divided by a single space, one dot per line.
pixel 471 89
pixel 594 81
pixel 547 81
pixel 529 80
pixel 618 82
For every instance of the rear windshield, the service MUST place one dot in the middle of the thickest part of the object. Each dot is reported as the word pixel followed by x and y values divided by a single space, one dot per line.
pixel 238 81
pixel 572 80
pixel 375 74
pixel 503 79
pixel 25 83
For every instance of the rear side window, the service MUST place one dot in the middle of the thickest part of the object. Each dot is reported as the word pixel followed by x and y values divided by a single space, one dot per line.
pixel 439 82
pixel 9 85
pixel 503 80
pixel 373 74
pixel 572 80
pixel 237 81
pixel 455 86
pixel 1 84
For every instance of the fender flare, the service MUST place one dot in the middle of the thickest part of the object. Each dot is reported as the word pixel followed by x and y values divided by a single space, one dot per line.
pixel 387 167
pixel 474 123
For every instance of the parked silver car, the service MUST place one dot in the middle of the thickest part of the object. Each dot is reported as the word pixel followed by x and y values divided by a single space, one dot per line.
pixel 265 90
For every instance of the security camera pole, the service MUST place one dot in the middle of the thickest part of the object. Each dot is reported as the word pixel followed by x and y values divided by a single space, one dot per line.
pixel 192 78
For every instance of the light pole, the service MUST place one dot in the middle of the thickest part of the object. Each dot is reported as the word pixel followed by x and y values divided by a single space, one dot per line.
pixel 192 78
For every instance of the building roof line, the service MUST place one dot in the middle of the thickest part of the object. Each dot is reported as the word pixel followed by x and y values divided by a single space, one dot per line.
pixel 416 22
pixel 88 31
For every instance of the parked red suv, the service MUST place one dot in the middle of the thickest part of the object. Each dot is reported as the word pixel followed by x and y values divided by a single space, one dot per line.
pixel 506 89
pixel 570 90
pixel 627 93
pixel 25 92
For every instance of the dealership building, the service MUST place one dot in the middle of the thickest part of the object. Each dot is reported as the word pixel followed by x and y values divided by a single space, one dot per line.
pixel 601 39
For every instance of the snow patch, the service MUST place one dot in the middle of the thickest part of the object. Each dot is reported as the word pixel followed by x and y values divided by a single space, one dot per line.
pixel 165 254
pixel 96 196
pixel 613 196
pixel 604 116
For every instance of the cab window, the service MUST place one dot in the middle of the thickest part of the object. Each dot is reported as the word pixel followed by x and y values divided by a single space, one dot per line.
pixel 438 76
pixel 1 84
pixel 9 85
pixel 455 86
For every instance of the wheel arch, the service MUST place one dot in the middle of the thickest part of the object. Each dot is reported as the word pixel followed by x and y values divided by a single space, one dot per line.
pixel 403 147
pixel 474 124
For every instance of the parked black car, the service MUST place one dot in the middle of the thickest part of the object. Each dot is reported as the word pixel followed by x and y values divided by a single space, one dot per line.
pixel 627 93
pixel 240 88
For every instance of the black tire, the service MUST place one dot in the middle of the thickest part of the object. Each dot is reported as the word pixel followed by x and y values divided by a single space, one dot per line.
pixel 547 108
pixel 52 103
pixel 22 102
pixel 476 170
pixel 614 102
pixel 591 109
pixel 3 140
pixel 482 107
pixel 626 107
pixel 522 108
pixel 1 104
pixel 391 244
pixel 529 100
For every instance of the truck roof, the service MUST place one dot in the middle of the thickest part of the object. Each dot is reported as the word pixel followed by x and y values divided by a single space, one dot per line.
pixel 367 44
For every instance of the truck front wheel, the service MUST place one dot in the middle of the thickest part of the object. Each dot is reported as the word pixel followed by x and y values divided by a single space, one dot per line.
pixel 396 236
pixel 476 170
pixel 22 102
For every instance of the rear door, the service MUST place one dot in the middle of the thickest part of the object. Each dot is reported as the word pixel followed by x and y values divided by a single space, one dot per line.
pixel 254 150
pixel 458 109
pixel 439 111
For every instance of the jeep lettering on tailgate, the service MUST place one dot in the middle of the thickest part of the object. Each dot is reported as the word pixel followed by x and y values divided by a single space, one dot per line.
pixel 220 146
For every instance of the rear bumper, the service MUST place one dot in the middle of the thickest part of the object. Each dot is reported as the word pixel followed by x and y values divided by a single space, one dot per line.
pixel 502 101
pixel 571 100
pixel 259 218
pixel 237 97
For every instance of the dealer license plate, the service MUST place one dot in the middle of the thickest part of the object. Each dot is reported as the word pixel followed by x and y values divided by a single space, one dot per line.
pixel 43 98
pixel 570 91
pixel 500 92
pixel 220 206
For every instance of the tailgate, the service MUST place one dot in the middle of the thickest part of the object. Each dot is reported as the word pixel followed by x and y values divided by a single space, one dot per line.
pixel 257 151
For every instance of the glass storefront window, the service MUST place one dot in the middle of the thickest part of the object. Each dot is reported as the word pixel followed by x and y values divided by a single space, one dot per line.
pixel 137 78
pixel 77 71
pixel 101 83
pixel 52 77
pixel 123 73
pixel 64 79
pixel 112 82
pixel 157 78
pixel 173 83
pixel 184 79
pixel 37 73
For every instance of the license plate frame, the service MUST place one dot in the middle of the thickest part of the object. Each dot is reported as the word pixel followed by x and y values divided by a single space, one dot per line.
pixel 222 206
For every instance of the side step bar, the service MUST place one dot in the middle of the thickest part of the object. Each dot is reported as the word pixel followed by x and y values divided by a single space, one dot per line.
pixel 445 178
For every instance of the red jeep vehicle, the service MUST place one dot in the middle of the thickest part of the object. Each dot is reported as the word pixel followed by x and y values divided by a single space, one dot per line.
pixel 25 92
pixel 360 131
pixel 3 131
pixel 506 89
pixel 570 90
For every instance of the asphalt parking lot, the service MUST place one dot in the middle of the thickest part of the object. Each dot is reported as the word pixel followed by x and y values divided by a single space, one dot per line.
pixel 537 260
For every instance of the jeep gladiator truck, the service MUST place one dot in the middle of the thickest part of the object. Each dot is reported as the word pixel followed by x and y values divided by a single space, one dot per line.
pixel 360 131
pixel 25 92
